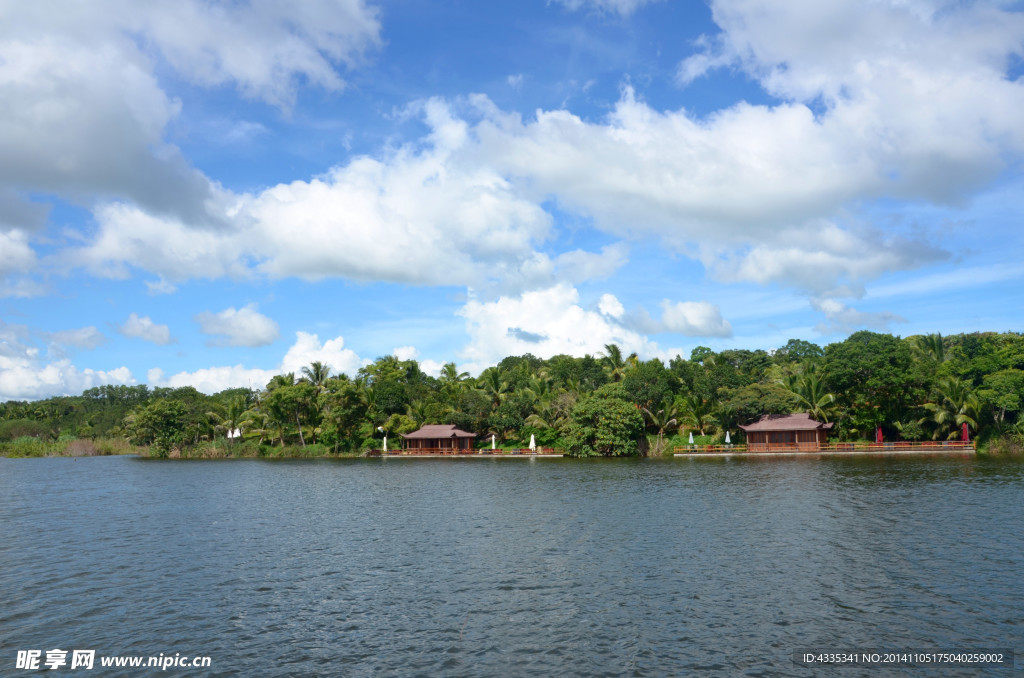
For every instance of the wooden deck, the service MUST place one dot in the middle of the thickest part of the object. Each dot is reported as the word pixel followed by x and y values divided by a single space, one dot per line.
pixel 899 447
pixel 448 452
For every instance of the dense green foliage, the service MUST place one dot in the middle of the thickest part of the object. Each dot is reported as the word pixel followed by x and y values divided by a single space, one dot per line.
pixel 924 387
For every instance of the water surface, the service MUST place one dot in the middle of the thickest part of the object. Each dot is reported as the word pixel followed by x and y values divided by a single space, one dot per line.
pixel 470 567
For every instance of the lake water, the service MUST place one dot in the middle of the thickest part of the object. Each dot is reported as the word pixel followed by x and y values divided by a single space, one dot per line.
pixel 470 567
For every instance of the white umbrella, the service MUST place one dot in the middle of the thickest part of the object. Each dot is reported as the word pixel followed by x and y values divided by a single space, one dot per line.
pixel 691 437
pixel 533 444
pixel 492 441
pixel 727 441
pixel 385 447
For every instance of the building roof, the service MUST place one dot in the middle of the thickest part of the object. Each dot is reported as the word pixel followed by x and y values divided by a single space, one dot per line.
pixel 786 422
pixel 436 431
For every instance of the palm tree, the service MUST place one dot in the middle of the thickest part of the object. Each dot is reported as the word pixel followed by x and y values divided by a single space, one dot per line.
pixel 809 388
pixel 662 418
pixel 930 346
pixel 417 411
pixel 615 366
pixel 539 388
pixel 494 386
pixel 697 412
pixel 954 404
pixel 450 375
pixel 281 380
pixel 229 417
pixel 317 375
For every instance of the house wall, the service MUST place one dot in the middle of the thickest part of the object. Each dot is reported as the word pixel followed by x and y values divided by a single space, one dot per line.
pixel 786 440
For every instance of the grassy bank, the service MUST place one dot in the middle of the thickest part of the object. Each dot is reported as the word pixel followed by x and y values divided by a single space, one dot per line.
pixel 28 446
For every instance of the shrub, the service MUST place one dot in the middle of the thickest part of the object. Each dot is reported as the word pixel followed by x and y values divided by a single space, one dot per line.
pixel 23 428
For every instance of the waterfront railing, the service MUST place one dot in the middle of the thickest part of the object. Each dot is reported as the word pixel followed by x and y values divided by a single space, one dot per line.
pixel 896 446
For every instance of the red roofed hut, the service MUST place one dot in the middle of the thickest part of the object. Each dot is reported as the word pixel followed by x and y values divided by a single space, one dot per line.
pixel 786 433
pixel 439 439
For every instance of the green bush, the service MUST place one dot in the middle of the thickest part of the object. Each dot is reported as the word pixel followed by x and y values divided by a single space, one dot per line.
pixel 28 446
pixel 23 428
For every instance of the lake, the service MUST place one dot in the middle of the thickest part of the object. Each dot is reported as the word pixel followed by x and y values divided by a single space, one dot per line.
pixel 506 567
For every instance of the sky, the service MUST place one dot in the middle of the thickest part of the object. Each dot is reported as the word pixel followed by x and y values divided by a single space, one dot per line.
pixel 208 193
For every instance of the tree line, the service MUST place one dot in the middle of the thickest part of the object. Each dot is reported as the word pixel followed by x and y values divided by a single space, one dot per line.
pixel 915 388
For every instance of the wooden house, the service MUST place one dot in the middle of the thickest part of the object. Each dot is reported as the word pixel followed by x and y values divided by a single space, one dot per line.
pixel 439 439
pixel 786 433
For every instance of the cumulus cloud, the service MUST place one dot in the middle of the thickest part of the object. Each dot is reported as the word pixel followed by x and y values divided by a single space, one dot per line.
pixel 436 200
pixel 144 328
pixel 610 306
pixel 25 375
pixel 841 319
pixel 405 353
pixel 212 380
pixel 545 323
pixel 239 327
pixel 307 349
pixel 763 193
pixel 694 319
pixel 83 116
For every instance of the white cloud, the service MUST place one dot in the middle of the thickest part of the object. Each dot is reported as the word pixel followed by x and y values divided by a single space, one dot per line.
pixel 610 306
pixel 82 115
pixel 393 218
pixel 840 319
pixel 306 349
pixel 18 256
pixel 694 319
pixel 431 367
pixel 545 323
pixel 759 193
pixel 239 327
pixel 160 286
pixel 405 353
pixel 85 120
pixel 212 380
pixel 264 48
pixel 24 375
pixel 144 328
pixel 84 337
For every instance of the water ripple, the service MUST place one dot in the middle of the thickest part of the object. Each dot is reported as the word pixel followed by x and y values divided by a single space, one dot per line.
pixel 501 567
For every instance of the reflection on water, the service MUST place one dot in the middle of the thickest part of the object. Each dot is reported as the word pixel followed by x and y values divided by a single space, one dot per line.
pixel 510 567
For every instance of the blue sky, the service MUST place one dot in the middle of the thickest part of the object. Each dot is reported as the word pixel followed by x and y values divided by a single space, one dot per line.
pixel 209 193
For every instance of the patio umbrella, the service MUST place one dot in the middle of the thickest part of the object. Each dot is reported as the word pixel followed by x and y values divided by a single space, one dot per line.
pixel 533 444
pixel 878 434
pixel 691 437
pixel 727 441
pixel 964 435
pixel 492 441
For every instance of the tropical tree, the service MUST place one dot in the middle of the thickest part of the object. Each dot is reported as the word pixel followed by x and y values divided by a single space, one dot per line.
pixel 492 383
pixel 697 412
pixel 665 416
pixel 615 365
pixel 316 375
pixel 287 404
pixel 809 388
pixel 930 346
pixel 604 424
pixel 230 417
pixel 954 405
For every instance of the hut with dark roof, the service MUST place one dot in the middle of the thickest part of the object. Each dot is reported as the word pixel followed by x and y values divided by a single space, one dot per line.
pixel 786 433
pixel 439 439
